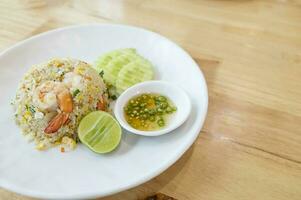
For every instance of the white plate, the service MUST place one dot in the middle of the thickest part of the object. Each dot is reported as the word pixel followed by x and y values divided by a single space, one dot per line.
pixel 82 173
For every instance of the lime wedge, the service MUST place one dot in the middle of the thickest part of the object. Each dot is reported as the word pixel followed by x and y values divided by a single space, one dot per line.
pixel 100 132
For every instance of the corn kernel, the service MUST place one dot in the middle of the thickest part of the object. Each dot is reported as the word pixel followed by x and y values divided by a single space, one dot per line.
pixel 41 147
pixel 69 142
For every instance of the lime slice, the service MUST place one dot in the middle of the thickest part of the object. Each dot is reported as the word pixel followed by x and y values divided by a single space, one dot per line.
pixel 99 131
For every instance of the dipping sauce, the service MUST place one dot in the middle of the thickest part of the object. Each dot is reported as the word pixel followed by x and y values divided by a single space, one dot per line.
pixel 149 111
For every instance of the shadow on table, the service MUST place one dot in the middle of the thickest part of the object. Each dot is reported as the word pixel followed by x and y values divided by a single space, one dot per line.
pixel 153 186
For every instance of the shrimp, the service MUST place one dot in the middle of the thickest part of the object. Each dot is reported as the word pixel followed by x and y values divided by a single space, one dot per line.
pixel 73 81
pixel 102 104
pixel 57 122
pixel 50 96
pixel 65 103
pixel 44 96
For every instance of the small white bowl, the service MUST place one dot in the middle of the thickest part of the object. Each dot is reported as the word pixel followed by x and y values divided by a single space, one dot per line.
pixel 174 93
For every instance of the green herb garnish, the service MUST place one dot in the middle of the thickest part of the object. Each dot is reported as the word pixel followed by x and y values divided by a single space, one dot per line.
pixel 75 93
pixel 113 97
pixel 101 73
pixel 30 108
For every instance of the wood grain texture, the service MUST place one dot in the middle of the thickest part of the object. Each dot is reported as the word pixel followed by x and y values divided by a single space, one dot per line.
pixel 250 53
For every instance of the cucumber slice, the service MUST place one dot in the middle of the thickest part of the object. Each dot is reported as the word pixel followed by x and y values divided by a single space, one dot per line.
pixel 123 68
pixel 135 72
pixel 112 69
pixel 105 59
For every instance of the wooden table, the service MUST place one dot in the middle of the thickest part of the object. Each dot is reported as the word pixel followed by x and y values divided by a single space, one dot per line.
pixel 250 53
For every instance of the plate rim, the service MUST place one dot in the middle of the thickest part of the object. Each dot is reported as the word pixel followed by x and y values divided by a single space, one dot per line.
pixel 164 166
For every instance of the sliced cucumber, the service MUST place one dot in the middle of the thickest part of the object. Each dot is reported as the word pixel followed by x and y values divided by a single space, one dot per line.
pixel 124 68
pixel 105 59
pixel 135 72
pixel 112 69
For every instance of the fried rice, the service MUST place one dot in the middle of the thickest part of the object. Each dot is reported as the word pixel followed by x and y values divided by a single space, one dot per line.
pixel 36 103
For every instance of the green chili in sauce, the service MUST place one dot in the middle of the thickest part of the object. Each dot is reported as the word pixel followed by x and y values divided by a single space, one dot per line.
pixel 148 111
